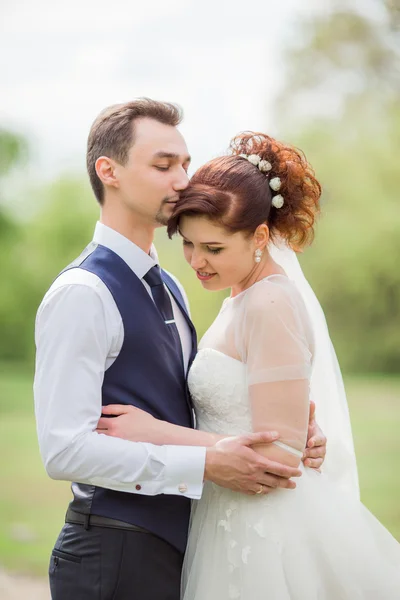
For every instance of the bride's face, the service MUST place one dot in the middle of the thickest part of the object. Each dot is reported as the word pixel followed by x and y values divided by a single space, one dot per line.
pixel 221 260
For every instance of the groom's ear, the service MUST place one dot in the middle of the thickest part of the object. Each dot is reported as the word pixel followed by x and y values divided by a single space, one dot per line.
pixel 106 171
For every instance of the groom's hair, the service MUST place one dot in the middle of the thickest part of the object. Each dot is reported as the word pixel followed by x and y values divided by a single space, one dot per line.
pixel 112 133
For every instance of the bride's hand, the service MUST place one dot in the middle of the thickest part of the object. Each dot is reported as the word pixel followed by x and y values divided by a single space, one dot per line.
pixel 129 423
pixel 314 454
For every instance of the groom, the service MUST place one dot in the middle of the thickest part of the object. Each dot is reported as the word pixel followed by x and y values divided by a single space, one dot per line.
pixel 115 329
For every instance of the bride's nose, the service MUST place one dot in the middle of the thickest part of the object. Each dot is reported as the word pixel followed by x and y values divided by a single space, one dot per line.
pixel 198 260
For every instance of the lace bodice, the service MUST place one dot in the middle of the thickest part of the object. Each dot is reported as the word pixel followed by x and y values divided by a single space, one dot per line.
pixel 218 386
pixel 255 360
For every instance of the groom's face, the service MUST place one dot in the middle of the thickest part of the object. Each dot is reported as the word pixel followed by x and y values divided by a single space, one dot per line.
pixel 156 171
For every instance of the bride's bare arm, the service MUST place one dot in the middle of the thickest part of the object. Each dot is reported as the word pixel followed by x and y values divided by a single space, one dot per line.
pixel 136 425
pixel 286 404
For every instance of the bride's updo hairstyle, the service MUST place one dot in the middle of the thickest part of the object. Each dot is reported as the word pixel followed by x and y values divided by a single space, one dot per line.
pixel 260 181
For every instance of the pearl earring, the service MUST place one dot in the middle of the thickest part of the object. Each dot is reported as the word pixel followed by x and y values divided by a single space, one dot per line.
pixel 258 255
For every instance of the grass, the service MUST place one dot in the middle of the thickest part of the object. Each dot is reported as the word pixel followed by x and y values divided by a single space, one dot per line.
pixel 32 506
pixel 375 413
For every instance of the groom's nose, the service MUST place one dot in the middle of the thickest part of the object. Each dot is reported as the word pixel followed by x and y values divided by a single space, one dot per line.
pixel 181 181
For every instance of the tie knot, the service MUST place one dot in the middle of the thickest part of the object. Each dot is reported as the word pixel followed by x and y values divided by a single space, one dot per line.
pixel 153 277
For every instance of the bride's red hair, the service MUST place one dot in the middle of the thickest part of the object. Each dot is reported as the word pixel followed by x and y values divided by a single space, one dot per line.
pixel 235 193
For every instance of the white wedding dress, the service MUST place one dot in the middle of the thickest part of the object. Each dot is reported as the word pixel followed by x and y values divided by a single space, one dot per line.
pixel 316 542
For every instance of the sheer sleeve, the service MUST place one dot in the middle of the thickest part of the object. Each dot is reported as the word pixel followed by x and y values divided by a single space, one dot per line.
pixel 275 342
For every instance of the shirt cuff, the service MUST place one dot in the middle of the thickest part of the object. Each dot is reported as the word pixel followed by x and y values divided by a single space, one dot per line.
pixel 185 471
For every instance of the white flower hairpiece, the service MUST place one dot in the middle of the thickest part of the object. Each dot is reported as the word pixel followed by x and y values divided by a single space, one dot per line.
pixel 255 160
pixel 264 166
pixel 275 184
pixel 278 201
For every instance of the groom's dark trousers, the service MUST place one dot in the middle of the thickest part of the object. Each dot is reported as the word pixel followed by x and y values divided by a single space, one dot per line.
pixel 102 563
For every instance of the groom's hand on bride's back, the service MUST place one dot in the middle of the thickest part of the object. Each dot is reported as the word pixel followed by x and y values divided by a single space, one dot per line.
pixel 232 463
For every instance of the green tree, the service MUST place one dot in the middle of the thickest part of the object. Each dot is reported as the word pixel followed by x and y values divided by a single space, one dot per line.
pixel 339 57
pixel 341 105
pixel 56 235
pixel 33 252
pixel 13 153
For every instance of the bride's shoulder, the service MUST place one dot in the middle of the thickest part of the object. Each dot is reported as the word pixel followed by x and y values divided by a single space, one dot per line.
pixel 275 302
pixel 274 293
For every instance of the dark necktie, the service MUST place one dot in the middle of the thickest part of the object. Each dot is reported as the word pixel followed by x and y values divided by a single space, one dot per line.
pixel 163 303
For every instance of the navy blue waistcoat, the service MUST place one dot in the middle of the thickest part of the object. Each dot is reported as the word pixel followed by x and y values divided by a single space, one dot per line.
pixel 148 374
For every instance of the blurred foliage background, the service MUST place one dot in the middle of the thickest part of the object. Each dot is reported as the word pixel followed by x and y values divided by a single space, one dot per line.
pixel 340 103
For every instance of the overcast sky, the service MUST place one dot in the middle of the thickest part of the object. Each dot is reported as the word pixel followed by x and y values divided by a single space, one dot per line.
pixel 62 62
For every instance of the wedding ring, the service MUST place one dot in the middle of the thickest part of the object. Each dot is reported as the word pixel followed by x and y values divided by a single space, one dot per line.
pixel 260 491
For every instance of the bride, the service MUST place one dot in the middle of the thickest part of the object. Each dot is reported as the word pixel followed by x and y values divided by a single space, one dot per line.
pixel 262 361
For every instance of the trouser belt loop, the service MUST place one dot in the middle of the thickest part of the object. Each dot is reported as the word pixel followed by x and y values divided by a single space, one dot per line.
pixel 86 524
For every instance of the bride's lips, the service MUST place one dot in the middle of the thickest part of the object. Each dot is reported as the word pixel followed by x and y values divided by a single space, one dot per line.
pixel 205 277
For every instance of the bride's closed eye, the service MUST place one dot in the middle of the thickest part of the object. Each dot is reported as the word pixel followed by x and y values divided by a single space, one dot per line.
pixel 209 249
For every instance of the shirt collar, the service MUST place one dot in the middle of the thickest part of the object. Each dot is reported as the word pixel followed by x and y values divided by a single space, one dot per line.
pixel 135 257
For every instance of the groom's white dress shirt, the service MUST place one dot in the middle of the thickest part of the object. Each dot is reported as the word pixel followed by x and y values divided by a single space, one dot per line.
pixel 79 334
